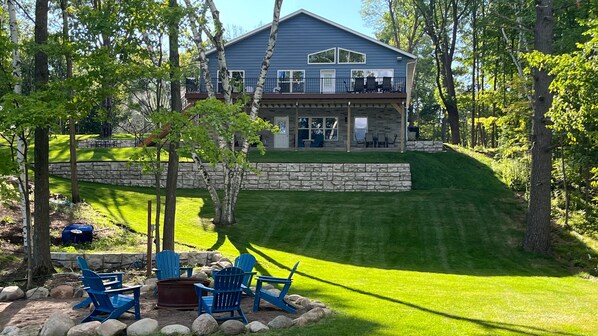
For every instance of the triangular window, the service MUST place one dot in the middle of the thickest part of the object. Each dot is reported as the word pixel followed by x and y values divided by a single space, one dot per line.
pixel 346 56
pixel 322 57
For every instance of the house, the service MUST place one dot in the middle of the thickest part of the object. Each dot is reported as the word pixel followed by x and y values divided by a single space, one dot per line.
pixel 327 86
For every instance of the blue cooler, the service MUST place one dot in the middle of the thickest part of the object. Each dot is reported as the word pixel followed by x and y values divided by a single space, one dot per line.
pixel 77 233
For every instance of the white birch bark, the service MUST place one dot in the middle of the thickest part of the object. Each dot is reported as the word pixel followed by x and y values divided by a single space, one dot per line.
pixel 23 179
pixel 198 40
pixel 218 41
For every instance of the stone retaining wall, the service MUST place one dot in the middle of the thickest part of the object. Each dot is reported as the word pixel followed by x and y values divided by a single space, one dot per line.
pixel 339 177
pixel 113 261
pixel 106 143
pixel 424 146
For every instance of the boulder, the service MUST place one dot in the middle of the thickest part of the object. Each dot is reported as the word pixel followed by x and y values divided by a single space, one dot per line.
pixel 300 321
pixel 175 329
pixel 37 293
pixel 147 288
pixel 10 331
pixel 256 326
pixel 143 327
pixel 280 322
pixel 294 297
pixel 57 324
pixel 111 327
pixel 29 331
pixel 207 270
pixel 314 315
pixel 11 293
pixel 327 311
pixel 205 324
pixel 62 292
pixel 216 256
pixel 232 327
pixel 150 281
pixel 84 329
pixel 201 275
pixel 317 304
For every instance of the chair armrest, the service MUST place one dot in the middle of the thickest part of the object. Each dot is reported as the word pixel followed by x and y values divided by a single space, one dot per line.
pixel 273 280
pixel 187 269
pixel 123 290
pixel 202 287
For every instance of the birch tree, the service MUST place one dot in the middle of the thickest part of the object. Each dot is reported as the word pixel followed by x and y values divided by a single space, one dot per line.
pixel 218 146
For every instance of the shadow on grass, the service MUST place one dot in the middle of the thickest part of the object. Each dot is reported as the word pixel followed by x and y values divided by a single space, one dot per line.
pixel 489 326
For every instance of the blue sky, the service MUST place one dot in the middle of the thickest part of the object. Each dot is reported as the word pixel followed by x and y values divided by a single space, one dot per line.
pixel 249 14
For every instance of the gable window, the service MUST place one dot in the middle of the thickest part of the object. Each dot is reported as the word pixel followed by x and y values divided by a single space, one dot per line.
pixel 346 56
pixel 291 81
pixel 237 80
pixel 327 56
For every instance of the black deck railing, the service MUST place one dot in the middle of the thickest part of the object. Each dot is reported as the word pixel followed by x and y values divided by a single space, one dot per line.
pixel 307 85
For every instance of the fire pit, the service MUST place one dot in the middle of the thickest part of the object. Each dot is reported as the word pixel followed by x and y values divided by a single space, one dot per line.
pixel 179 293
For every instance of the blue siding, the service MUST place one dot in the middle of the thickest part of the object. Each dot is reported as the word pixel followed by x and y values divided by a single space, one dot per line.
pixel 299 36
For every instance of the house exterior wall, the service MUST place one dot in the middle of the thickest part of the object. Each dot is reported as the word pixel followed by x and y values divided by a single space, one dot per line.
pixel 299 36
pixel 381 118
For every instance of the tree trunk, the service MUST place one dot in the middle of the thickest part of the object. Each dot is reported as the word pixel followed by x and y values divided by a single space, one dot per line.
pixel 176 107
pixel 537 234
pixel 158 181
pixel 75 197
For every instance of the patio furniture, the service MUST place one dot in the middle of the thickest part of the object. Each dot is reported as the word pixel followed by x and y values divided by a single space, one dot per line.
pixel 359 84
pixel 382 140
pixel 246 262
pixel 168 266
pixel 386 84
pixel 111 280
pixel 109 303
pixel 388 142
pixel 275 299
pixel 371 85
pixel 226 294
pixel 369 140
pixel 318 140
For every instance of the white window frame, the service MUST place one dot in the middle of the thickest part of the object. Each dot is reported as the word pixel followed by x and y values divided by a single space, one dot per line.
pixel 230 76
pixel 324 128
pixel 338 56
pixel 317 52
pixel 290 80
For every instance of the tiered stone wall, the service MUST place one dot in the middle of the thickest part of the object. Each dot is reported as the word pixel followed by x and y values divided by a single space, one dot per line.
pixel 339 177
pixel 115 143
pixel 425 146
pixel 112 261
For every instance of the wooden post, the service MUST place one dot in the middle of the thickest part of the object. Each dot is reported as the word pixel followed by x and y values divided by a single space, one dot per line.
pixel 149 239
pixel 296 124
pixel 403 126
pixel 349 127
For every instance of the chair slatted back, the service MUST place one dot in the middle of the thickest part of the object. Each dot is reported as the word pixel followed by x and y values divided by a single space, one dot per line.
pixel 359 84
pixel 287 286
pixel 227 288
pixel 246 262
pixel 386 83
pixel 168 263
pixel 97 291
pixel 370 84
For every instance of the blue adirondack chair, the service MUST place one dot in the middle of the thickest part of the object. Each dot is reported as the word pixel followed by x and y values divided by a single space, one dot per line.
pixel 168 266
pixel 226 294
pixel 246 262
pixel 111 280
pixel 277 300
pixel 109 303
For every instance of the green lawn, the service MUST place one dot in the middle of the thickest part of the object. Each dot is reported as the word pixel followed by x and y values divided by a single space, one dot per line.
pixel 443 259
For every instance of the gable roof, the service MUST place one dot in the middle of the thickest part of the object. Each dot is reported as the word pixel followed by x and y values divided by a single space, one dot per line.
pixel 317 17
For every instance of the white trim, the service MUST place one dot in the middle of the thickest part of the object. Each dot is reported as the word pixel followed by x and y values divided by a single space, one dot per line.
pixel 324 128
pixel 338 58
pixel 332 23
pixel 321 51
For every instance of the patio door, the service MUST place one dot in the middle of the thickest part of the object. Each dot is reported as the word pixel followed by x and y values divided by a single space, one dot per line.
pixel 328 81
pixel 281 140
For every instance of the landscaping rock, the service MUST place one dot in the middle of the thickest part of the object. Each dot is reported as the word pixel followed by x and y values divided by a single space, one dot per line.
pixel 84 329
pixel 232 327
pixel 294 297
pixel 62 292
pixel 57 324
pixel 216 256
pixel 256 326
pixel 201 275
pixel 143 327
pixel 207 270
pixel 275 292
pixel 147 288
pixel 111 327
pixel 29 331
pixel 327 311
pixel 175 329
pixel 314 315
pixel 37 293
pixel 300 321
pixel 10 331
pixel 205 324
pixel 11 293
pixel 80 293
pixel 150 281
pixel 280 322
pixel 317 304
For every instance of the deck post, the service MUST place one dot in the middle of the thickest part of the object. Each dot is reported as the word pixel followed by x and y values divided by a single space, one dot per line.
pixel 296 124
pixel 349 127
pixel 401 110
